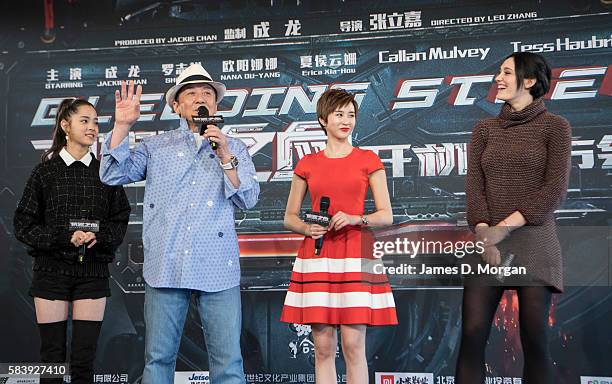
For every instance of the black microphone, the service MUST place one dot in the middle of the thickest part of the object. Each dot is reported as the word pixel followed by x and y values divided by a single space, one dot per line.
pixel 205 119
pixel 86 225
pixel 84 214
pixel 323 207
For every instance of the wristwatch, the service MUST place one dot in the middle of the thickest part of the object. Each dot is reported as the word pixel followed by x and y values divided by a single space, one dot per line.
pixel 364 220
pixel 233 163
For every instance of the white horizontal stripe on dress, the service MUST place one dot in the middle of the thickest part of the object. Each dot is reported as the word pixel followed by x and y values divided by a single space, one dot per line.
pixel 340 300
pixel 328 265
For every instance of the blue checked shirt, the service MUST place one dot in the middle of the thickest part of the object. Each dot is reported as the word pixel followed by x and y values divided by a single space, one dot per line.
pixel 188 229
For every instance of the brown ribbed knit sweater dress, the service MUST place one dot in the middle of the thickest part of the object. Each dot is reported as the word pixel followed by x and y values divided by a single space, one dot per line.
pixel 520 161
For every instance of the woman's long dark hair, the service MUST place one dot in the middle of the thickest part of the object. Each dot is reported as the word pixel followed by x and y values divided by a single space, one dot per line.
pixel 67 108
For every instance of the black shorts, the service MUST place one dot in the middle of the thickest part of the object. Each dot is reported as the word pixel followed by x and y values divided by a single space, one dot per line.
pixel 53 286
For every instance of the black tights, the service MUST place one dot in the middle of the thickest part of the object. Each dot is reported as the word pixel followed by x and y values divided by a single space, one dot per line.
pixel 479 307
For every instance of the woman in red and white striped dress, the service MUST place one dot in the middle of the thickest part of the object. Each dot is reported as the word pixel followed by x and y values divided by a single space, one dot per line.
pixel 333 289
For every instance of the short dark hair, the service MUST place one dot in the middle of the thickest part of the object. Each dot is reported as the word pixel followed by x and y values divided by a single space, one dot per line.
pixel 528 65
pixel 331 100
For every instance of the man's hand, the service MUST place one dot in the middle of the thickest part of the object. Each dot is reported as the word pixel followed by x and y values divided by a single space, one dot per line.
pixel 127 105
pixel 213 133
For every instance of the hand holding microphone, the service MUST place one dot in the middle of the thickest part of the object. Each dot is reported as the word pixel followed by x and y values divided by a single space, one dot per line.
pixel 491 256
pixel 315 231
pixel 323 207
pixel 84 232
pixel 318 223
pixel 213 134
pixel 80 238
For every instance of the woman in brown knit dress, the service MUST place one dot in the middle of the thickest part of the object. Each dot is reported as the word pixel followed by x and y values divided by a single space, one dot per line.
pixel 518 172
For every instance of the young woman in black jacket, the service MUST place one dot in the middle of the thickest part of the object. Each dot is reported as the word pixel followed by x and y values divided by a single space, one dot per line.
pixel 71 265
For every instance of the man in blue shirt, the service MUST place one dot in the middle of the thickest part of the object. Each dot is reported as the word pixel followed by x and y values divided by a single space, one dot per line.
pixel 189 238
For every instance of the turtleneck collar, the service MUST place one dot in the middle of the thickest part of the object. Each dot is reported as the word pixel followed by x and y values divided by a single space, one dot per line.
pixel 511 118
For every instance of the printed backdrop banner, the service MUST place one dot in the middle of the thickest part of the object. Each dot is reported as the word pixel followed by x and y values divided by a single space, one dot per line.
pixel 423 76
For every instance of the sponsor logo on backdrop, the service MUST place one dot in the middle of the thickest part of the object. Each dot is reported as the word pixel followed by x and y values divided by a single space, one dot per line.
pixel 404 378
pixel 595 380
pixel 432 54
pixel 283 378
pixel 563 44
pixel 191 377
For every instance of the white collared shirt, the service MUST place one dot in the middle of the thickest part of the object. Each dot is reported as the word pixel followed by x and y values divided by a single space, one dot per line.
pixel 68 159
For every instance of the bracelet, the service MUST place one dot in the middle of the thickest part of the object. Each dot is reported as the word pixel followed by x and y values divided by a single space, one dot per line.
pixel 233 163
pixel 364 220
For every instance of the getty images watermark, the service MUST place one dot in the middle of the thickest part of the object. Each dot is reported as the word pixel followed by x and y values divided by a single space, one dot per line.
pixel 442 254
pixel 427 250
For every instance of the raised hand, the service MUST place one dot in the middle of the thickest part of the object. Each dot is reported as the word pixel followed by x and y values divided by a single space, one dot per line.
pixel 127 105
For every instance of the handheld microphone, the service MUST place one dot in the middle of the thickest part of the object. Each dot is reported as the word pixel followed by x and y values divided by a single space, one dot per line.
pixel 312 217
pixel 503 265
pixel 323 207
pixel 84 225
pixel 205 119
